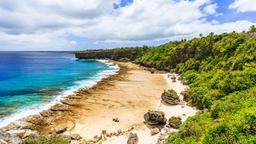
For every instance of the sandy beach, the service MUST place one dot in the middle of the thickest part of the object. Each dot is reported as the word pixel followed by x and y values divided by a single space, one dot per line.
pixel 109 111
pixel 127 100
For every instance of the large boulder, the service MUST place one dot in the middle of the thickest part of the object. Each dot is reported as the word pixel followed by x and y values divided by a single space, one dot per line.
pixel 154 118
pixel 133 138
pixel 170 97
pixel 175 122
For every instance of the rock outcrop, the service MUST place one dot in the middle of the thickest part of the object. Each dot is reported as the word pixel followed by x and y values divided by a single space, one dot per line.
pixel 170 97
pixel 186 95
pixel 175 122
pixel 60 107
pixel 154 118
pixel 154 131
pixel 133 138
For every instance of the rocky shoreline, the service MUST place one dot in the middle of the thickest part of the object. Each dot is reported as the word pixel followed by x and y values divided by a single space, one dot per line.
pixel 60 119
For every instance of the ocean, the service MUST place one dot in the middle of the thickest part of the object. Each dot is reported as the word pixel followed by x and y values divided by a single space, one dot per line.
pixel 33 81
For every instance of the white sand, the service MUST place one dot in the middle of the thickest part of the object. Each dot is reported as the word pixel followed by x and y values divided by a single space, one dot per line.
pixel 143 132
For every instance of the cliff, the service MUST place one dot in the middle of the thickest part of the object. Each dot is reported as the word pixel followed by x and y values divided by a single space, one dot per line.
pixel 94 55
pixel 114 54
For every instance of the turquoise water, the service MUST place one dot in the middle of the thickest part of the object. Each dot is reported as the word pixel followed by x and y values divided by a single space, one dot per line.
pixel 31 81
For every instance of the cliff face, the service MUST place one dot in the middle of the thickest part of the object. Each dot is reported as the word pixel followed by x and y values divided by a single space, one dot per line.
pixel 114 54
pixel 94 55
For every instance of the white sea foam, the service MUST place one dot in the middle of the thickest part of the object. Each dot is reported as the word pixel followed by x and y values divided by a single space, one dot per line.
pixel 35 109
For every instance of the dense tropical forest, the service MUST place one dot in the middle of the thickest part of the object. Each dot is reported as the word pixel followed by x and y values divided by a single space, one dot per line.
pixel 221 73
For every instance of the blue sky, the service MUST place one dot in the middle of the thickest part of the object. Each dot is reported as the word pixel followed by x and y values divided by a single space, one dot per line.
pixel 90 24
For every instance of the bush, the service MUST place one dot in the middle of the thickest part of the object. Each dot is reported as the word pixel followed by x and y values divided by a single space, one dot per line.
pixel 47 140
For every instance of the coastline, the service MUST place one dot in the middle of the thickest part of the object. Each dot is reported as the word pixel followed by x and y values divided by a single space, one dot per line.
pixel 125 96
pixel 82 84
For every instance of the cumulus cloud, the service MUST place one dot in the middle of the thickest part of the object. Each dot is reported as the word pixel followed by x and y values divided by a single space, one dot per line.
pixel 47 23
pixel 244 5
pixel 211 9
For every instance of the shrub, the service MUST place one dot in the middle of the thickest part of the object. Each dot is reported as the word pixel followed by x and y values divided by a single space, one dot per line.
pixel 47 140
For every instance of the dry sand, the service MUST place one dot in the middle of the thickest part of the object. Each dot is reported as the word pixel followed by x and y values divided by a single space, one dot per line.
pixel 128 100
pixel 143 131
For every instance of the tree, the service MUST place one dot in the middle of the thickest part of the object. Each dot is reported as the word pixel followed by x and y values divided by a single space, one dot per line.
pixel 252 29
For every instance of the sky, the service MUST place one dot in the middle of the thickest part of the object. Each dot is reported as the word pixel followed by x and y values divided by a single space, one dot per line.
pixel 65 25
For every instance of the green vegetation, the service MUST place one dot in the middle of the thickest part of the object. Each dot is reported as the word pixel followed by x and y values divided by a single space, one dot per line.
pixel 47 140
pixel 221 73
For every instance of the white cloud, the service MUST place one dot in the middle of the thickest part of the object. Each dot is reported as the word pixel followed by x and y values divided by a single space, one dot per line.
pixel 211 9
pixel 244 5
pixel 48 24
pixel 73 42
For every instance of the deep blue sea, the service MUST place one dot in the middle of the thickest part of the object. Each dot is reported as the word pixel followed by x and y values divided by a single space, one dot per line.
pixel 32 81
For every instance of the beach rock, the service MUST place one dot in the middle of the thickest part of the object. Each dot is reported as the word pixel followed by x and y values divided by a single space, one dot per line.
pixel 115 119
pixel 154 118
pixel 170 97
pixel 70 102
pixel 186 95
pixel 59 129
pixel 6 138
pixel 133 138
pixel 175 122
pixel 74 97
pixel 30 134
pixel 152 71
pixel 154 131
pixel 75 137
pixel 34 119
pixel 173 77
pixel 60 107
pixel 45 113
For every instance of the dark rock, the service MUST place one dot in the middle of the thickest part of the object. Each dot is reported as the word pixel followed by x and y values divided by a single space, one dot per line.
pixel 175 122
pixel 170 97
pixel 173 77
pixel 133 138
pixel 154 118
pixel 115 119
pixel 75 137
pixel 152 71
pixel 186 95
pixel 59 129
pixel 154 131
